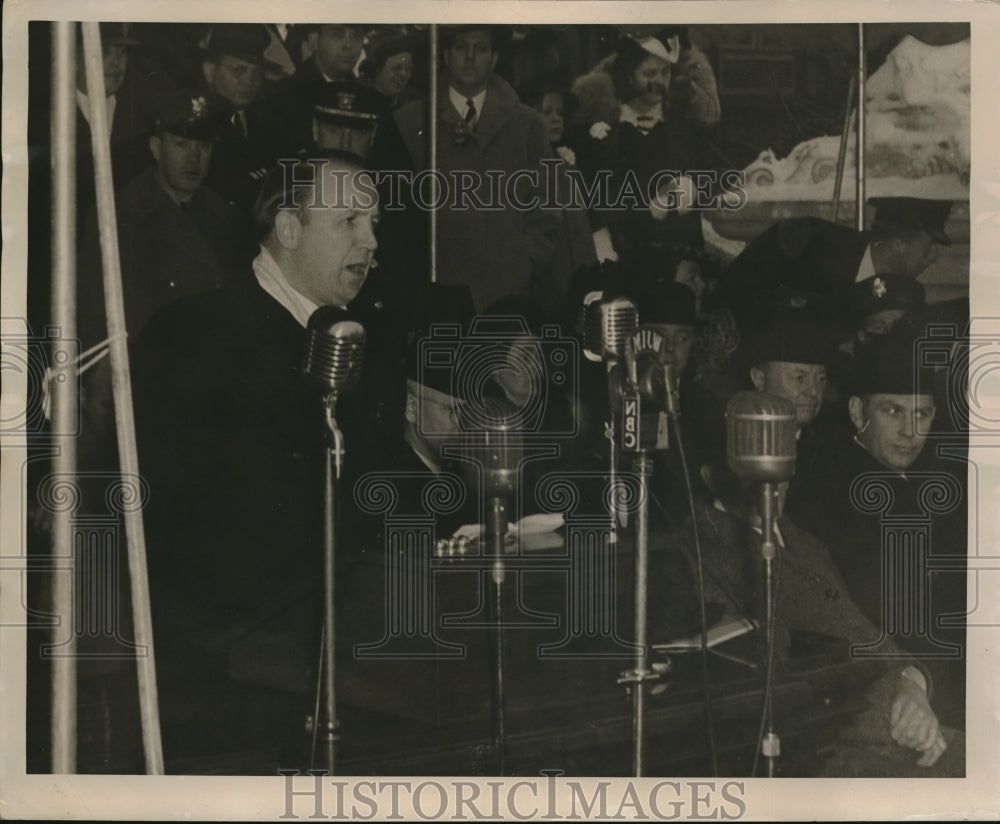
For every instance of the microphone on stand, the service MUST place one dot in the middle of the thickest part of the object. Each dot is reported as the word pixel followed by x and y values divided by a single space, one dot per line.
pixel 335 349
pixel 760 448
pixel 334 354
pixel 760 437
pixel 492 440
pixel 494 426
pixel 609 321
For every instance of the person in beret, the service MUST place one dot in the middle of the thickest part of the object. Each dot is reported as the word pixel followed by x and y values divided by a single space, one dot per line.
pixel 879 478
pixel 814 255
pixel 388 64
pixel 233 68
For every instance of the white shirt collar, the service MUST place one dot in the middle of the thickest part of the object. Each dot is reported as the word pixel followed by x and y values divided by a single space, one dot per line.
pixel 644 121
pixel 83 101
pixel 866 268
pixel 273 281
pixel 460 102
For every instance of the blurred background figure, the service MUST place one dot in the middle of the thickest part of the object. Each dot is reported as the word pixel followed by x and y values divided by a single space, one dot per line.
pixel 388 64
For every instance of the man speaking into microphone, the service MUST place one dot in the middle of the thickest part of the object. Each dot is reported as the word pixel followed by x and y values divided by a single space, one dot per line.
pixel 232 446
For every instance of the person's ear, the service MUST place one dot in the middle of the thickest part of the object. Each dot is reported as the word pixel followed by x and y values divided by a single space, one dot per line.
pixel 493 63
pixel 287 228
pixel 757 378
pixel 707 476
pixel 856 409
pixel 208 69
pixel 154 147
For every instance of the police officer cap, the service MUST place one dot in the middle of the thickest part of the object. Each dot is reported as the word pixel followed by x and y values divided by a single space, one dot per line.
pixel 885 292
pixel 790 333
pixel 929 215
pixel 890 365
pixel 346 103
pixel 187 114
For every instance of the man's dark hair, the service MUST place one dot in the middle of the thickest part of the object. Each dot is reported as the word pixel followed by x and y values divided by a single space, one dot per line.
pixel 288 187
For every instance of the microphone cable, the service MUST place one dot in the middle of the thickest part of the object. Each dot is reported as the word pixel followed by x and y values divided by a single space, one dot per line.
pixel 706 686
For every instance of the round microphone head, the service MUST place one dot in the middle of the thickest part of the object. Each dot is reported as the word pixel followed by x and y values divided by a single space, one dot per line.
pixel 619 320
pixel 760 437
pixel 335 348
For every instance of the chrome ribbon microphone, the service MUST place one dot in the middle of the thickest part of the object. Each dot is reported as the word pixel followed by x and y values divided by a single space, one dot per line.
pixel 761 448
pixel 760 437
pixel 335 350
pixel 609 320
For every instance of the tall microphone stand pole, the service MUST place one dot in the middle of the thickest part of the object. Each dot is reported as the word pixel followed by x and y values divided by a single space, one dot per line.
pixel 643 467
pixel 632 399
pixel 334 462
pixel 497 524
pixel 770 745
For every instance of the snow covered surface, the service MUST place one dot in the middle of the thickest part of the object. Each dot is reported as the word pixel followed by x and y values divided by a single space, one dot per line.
pixel 917 135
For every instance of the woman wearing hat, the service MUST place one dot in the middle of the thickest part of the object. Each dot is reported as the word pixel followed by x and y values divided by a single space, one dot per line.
pixel 646 138
pixel 388 65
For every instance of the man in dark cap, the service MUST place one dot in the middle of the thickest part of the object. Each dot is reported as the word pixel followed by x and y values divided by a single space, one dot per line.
pixel 176 236
pixel 878 303
pixel 345 116
pixel 813 255
pixel 234 71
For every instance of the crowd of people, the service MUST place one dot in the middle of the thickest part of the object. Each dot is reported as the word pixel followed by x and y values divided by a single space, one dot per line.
pixel 250 169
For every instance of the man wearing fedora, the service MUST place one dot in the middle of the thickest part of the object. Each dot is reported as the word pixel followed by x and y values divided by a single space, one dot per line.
pixel 233 68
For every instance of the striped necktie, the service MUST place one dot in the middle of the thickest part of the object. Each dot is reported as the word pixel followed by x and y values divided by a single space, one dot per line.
pixel 470 114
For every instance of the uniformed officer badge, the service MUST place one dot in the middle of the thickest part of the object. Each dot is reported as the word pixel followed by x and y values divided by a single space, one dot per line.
pixel 197 106
pixel 345 101
pixel 878 287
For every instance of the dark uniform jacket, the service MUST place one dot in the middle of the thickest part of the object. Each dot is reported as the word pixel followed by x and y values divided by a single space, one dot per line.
pixel 167 251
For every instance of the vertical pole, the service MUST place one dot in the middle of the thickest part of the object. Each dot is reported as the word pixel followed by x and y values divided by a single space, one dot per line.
pixel 121 384
pixel 643 468
pixel 859 122
pixel 334 454
pixel 64 386
pixel 842 150
pixel 432 136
